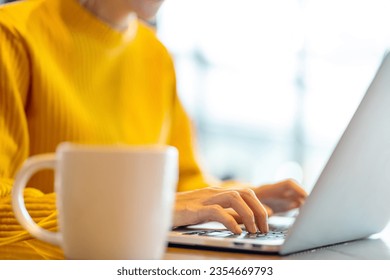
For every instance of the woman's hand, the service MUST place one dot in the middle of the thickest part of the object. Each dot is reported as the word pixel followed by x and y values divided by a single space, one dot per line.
pixel 227 206
pixel 282 196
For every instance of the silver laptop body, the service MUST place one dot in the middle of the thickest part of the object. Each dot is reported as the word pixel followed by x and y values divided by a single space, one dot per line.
pixel 350 200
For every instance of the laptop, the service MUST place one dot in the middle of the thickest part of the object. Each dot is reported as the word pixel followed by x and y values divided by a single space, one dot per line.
pixel 350 200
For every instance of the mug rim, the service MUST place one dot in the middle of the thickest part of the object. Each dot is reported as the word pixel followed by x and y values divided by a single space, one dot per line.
pixel 120 147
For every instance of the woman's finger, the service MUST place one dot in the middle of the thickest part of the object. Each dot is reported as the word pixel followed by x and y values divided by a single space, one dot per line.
pixel 258 209
pixel 218 214
pixel 234 200
pixel 292 188
pixel 234 214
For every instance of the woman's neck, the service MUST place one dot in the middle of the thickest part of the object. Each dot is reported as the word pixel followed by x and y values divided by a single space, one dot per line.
pixel 113 12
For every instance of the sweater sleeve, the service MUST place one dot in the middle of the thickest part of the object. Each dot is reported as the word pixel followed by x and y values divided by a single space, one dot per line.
pixel 14 139
pixel 182 136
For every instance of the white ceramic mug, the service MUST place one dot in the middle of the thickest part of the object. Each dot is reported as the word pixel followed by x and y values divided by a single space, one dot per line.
pixel 114 202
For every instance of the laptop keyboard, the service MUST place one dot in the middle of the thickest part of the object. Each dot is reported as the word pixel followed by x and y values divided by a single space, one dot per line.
pixel 272 234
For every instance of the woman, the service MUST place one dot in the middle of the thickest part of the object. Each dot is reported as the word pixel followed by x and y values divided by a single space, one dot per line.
pixel 89 71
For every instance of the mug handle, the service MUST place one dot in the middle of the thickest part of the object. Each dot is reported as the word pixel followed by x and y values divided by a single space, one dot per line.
pixel 31 166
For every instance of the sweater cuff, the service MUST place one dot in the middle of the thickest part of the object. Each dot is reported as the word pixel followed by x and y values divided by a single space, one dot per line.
pixel 41 207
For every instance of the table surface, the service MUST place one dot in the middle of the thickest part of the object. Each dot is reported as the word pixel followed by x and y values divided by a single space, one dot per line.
pixel 377 247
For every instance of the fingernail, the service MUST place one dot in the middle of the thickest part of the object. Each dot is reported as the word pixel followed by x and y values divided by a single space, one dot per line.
pixel 238 229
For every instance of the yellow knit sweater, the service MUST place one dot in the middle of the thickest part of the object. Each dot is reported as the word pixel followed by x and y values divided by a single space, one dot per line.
pixel 67 76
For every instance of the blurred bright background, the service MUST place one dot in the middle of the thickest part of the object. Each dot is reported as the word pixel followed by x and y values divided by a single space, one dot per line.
pixel 271 85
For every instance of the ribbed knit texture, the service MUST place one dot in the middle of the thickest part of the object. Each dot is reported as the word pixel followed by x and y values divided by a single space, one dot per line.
pixel 67 76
